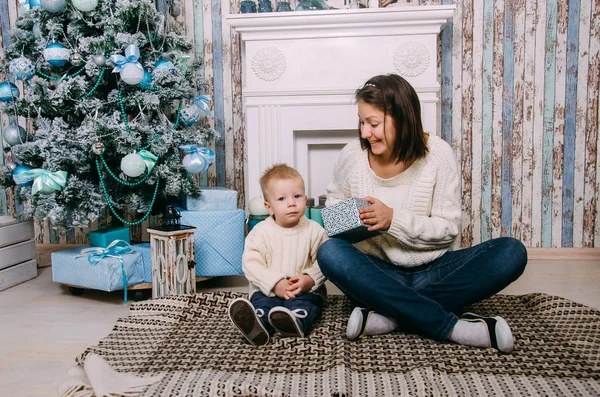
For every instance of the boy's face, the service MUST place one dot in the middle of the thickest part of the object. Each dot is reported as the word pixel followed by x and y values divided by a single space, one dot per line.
pixel 286 201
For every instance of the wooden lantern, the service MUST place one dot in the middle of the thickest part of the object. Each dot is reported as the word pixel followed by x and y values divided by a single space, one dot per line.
pixel 173 266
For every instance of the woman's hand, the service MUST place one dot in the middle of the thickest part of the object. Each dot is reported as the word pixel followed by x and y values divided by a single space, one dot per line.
pixel 378 215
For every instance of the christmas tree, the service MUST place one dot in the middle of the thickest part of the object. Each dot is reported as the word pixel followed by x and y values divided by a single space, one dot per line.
pixel 110 95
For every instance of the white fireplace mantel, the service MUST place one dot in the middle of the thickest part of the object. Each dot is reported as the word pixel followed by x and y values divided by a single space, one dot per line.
pixel 300 71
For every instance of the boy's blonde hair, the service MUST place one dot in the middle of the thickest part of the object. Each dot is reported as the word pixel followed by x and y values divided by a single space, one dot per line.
pixel 278 171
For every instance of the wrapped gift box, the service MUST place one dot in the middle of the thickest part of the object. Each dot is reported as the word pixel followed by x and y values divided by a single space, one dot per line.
pixel 342 220
pixel 218 242
pixel 68 267
pixel 103 237
pixel 212 199
pixel 144 249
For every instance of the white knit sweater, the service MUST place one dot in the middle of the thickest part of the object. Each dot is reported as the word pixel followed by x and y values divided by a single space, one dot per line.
pixel 272 253
pixel 425 199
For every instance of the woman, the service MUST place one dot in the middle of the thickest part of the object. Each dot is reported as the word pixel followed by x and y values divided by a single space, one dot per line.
pixel 408 277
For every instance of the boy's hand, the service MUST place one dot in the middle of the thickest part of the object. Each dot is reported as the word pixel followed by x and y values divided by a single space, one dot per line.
pixel 280 288
pixel 298 285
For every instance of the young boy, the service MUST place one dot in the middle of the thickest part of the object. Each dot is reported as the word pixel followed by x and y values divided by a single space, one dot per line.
pixel 280 262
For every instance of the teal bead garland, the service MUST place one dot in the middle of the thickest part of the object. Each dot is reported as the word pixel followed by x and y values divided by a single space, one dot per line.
pixel 77 73
pixel 90 92
pixel 112 209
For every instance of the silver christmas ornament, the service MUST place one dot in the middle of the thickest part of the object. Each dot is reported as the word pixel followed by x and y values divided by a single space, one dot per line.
pixel 11 165
pixel 98 148
pixel 175 10
pixel 15 135
pixel 76 59
pixel 99 60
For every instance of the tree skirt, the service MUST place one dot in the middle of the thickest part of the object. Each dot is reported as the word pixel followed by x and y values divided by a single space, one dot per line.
pixel 190 343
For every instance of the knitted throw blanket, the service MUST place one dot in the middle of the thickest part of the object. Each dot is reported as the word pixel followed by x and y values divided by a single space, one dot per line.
pixel 187 346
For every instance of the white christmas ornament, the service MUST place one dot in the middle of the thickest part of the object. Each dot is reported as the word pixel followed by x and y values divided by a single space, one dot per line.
pixel 133 165
pixel 85 5
pixel 57 54
pixel 257 206
pixel 131 74
pixel 53 5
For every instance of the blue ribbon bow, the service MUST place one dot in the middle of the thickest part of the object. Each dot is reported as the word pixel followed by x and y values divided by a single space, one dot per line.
pixel 202 102
pixel 114 250
pixel 149 158
pixel 43 181
pixel 132 55
pixel 200 157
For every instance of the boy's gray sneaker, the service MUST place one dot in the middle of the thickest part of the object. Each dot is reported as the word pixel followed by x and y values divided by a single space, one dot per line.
pixel 287 322
pixel 244 317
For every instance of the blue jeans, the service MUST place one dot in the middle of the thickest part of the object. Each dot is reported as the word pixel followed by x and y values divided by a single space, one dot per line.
pixel 308 301
pixel 423 299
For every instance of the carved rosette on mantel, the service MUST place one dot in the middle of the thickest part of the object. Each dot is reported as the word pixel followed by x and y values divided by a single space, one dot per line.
pixel 269 63
pixel 411 59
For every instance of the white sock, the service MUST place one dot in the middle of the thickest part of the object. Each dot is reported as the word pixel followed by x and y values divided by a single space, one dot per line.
pixel 379 324
pixel 470 333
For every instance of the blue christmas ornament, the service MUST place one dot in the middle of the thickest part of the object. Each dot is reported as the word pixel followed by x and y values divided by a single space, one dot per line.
pixel 18 176
pixel 164 64
pixel 202 102
pixel 26 5
pixel 146 81
pixel 191 114
pixel 21 68
pixel 8 91
pixel 57 54
pixel 198 159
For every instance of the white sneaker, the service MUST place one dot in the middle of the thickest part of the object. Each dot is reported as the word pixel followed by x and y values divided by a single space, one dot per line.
pixel 245 318
pixel 287 322
pixel 501 336
pixel 364 322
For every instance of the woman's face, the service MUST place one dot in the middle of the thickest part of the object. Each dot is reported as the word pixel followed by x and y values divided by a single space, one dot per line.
pixel 377 128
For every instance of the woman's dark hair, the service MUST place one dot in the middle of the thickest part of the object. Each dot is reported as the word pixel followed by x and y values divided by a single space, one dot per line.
pixel 396 97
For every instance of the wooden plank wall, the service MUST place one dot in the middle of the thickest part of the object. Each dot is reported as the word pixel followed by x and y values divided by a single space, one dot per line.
pixel 519 104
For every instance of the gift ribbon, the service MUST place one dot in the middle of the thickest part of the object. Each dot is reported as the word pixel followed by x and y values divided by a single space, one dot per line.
pixel 114 250
pixel 43 181
pixel 132 55
pixel 202 102
pixel 207 154
pixel 149 158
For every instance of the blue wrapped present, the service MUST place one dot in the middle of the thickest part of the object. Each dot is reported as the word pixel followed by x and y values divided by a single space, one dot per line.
pixel 212 199
pixel 218 242
pixel 103 237
pixel 96 268
pixel 144 249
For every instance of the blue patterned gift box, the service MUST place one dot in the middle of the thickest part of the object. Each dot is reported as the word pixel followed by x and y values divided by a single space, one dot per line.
pixel 70 267
pixel 212 199
pixel 144 250
pixel 342 220
pixel 218 242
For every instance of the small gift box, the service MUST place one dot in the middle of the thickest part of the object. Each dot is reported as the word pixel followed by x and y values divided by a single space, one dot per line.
pixel 212 199
pixel 103 237
pixel 342 220
pixel 109 269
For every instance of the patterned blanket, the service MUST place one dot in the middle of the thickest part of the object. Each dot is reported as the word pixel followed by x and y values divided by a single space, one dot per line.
pixel 191 343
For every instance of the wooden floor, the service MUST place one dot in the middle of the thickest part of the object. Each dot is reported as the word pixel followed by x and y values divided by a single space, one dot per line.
pixel 43 328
